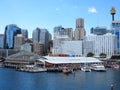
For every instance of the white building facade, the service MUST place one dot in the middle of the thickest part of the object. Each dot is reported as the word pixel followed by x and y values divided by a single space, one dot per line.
pixel 87 47
pixel 103 43
pixel 72 48
pixel 57 43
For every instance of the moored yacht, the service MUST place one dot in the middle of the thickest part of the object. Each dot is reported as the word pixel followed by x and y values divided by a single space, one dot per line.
pixel 86 69
pixel 98 67
pixel 31 68
pixel 66 70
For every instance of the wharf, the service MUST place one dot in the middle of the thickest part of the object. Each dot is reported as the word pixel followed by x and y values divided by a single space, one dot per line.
pixel 54 69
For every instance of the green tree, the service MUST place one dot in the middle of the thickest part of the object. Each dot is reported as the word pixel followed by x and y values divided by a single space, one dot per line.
pixel 102 55
pixel 90 54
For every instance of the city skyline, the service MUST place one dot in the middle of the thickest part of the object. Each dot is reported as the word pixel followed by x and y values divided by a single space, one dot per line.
pixel 29 14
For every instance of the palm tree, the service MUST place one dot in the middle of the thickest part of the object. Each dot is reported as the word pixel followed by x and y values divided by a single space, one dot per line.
pixel 90 54
pixel 102 55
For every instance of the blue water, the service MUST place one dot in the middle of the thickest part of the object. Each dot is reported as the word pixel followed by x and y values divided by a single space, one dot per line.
pixel 14 80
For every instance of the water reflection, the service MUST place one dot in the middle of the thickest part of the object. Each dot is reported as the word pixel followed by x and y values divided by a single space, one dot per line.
pixel 13 80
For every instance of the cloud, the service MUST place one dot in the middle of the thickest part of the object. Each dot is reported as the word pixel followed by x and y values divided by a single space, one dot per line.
pixel 92 10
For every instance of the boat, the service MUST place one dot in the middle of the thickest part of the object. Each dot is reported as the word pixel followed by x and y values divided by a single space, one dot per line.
pixel 66 70
pixel 31 68
pixel 98 67
pixel 116 66
pixel 86 69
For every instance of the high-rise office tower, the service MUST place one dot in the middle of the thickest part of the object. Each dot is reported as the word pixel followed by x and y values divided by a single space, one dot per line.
pixel 98 30
pixel 1 40
pixel 36 35
pixel 115 29
pixel 38 48
pixel 61 34
pixel 18 41
pixel 102 43
pixel 42 36
pixel 10 31
pixel 79 31
pixel 24 33
pixel 60 31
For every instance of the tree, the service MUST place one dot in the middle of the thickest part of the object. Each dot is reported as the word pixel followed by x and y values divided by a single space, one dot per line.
pixel 90 54
pixel 102 55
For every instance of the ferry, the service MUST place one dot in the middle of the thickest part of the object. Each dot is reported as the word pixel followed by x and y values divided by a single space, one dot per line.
pixel 98 67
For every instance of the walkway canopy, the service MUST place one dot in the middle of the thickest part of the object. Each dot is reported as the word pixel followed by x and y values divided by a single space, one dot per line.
pixel 65 60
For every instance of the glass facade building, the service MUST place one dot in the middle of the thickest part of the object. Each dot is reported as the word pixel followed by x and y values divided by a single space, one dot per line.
pixel 10 31
pixel 115 29
pixel 1 40
pixel 60 31
pixel 42 36
pixel 98 30
pixel 24 33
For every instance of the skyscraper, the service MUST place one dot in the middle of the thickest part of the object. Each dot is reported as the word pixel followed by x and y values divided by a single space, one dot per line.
pixel 42 36
pixel 115 29
pixel 1 40
pixel 98 30
pixel 24 33
pixel 79 31
pixel 60 31
pixel 10 31
pixel 18 41
pixel 103 43
pixel 36 35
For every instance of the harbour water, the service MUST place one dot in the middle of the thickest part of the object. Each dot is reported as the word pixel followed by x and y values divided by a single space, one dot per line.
pixel 14 80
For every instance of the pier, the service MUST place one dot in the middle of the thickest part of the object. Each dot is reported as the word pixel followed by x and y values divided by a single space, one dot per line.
pixel 54 69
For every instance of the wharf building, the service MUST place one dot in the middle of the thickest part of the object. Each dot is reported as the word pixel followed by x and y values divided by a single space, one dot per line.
pixel 79 31
pixel 103 44
pixel 41 36
pixel 2 41
pixel 115 30
pixel 22 59
pixel 10 31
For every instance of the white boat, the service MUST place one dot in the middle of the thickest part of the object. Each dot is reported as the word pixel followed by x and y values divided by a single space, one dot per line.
pixel 98 67
pixel 31 68
pixel 116 66
pixel 86 69
pixel 66 70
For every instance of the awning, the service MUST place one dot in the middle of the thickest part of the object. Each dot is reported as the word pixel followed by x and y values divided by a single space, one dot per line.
pixel 64 60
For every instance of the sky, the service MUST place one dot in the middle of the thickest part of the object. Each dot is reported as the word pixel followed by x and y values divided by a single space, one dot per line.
pixel 29 14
